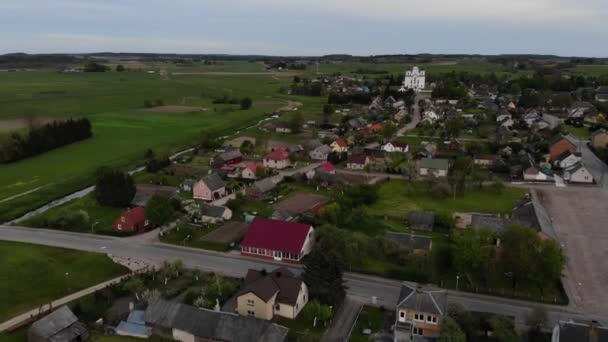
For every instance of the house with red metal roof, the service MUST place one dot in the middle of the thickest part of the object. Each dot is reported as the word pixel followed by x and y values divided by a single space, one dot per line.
pixel 328 167
pixel 277 240
pixel 357 161
pixel 277 159
pixel 132 220
pixel 339 146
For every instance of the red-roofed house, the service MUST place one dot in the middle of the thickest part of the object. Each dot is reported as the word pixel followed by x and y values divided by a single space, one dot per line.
pixel 339 146
pixel 278 240
pixel 328 167
pixel 133 220
pixel 277 159
pixel 249 172
pixel 357 161
pixel 377 127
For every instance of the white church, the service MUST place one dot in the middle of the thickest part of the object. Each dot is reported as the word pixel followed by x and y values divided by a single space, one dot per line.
pixel 414 79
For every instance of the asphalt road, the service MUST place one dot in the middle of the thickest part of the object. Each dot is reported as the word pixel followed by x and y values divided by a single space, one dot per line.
pixel 360 287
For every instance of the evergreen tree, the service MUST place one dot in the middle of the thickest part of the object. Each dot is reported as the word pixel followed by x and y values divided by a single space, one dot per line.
pixel 114 188
pixel 323 275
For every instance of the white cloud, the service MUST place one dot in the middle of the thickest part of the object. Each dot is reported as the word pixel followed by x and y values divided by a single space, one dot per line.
pixel 512 11
pixel 82 43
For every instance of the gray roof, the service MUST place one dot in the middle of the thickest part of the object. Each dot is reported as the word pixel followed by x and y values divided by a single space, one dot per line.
pixel 146 191
pixel 265 184
pixel 60 325
pixel 213 181
pixel 323 149
pixel 214 325
pixel 134 329
pixel 422 220
pixel 495 223
pixel 410 240
pixel 524 213
pixel 423 299
pixel 230 154
pixel 436 164
pixel 575 331
pixel 212 210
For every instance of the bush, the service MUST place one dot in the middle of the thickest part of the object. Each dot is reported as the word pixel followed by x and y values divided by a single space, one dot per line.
pixel 246 103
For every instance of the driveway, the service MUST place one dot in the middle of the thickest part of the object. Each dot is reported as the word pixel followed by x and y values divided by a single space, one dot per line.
pixel 343 322
pixel 579 217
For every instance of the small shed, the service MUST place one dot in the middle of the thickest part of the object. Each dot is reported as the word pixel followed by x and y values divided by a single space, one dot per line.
pixel 59 326
pixel 422 220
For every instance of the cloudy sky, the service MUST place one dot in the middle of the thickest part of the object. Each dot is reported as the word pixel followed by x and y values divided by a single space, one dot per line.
pixel 306 27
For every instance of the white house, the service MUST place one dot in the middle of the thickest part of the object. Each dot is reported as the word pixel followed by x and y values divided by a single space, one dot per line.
pixel 414 79
pixel 430 116
pixel 578 174
pixel 567 159
pixel 395 146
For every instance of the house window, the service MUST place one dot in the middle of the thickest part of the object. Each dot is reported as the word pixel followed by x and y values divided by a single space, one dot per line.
pixel 250 302
pixel 277 306
pixel 402 314
pixel 416 331
pixel 435 319
pixel 250 313
pixel 429 319
pixel 119 226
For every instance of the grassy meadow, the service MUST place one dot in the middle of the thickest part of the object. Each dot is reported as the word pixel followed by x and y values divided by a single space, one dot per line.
pixel 25 267
pixel 122 131
pixel 398 198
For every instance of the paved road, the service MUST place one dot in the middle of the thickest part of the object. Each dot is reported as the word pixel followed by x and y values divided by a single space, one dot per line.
pixel 412 124
pixel 360 287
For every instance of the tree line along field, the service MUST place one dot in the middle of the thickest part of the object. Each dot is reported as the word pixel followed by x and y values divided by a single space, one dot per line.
pixel 23 265
pixel 121 130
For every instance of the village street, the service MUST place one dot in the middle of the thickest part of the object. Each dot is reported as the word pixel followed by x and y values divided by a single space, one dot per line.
pixel 361 288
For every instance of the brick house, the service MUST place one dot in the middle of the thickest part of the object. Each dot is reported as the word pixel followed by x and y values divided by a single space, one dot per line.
pixel 132 221
pixel 277 159
pixel 558 145
pixel 209 188
pixel 419 313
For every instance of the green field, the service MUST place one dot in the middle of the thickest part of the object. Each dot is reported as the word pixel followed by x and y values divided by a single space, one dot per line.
pixel 579 132
pixel 34 275
pixel 398 198
pixel 590 70
pixel 477 66
pixel 122 132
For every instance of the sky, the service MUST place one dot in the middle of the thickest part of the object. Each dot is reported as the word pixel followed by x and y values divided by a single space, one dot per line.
pixel 306 27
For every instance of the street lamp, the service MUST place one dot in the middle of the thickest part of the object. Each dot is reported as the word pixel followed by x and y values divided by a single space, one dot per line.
pixel 93 226
pixel 67 281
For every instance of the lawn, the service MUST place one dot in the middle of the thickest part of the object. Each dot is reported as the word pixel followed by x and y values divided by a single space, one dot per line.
pixel 192 236
pixel 101 218
pixel 579 132
pixel 121 131
pixel 34 275
pixel 371 318
pixel 300 329
pixel 476 66
pixel 398 198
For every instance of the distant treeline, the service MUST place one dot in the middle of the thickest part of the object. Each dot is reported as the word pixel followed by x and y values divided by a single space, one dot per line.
pixel 43 139
pixel 19 61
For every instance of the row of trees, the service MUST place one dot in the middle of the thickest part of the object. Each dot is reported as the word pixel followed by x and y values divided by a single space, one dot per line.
pixel 43 139
pixel 522 256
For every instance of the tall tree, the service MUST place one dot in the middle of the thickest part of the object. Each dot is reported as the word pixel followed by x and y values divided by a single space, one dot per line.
pixel 503 329
pixel 450 331
pixel 159 210
pixel 296 122
pixel 114 188
pixel 324 276
pixel 473 252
